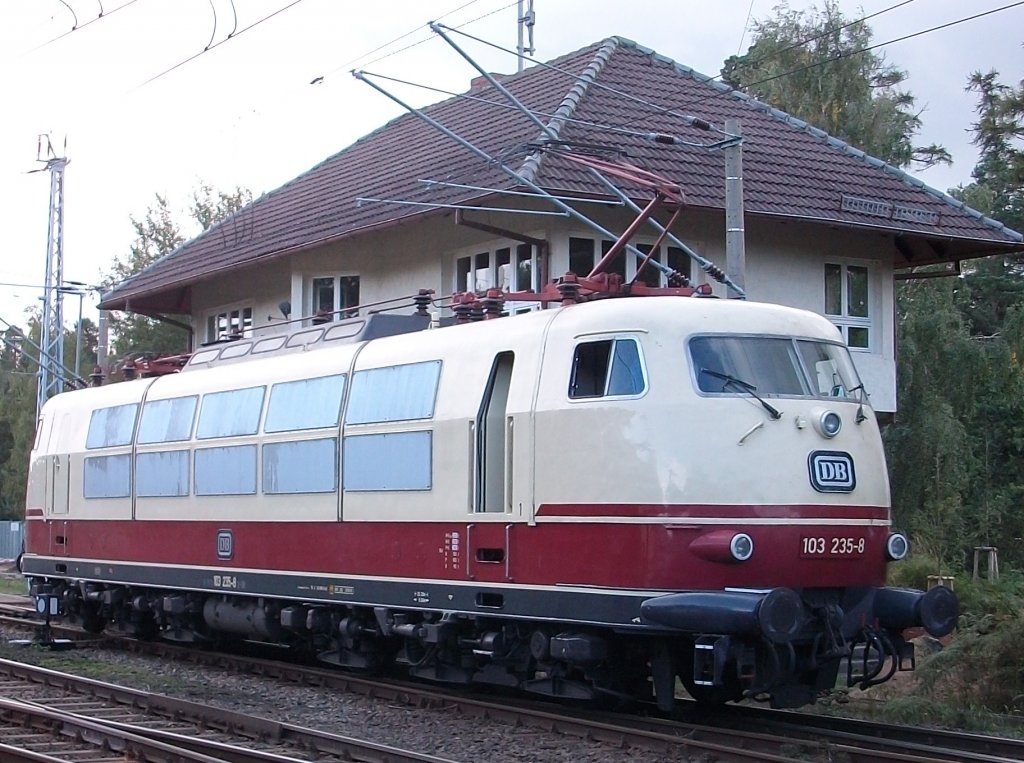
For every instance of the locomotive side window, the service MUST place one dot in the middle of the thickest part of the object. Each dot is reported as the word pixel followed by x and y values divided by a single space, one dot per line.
pixel 610 367
pixel 107 477
pixel 161 474
pixel 392 461
pixel 770 366
pixel 225 414
pixel 111 426
pixel 167 420
pixel 393 393
pixel 304 466
pixel 226 471
pixel 305 404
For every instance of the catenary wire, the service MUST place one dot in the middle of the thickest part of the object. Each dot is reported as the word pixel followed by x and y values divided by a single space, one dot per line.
pixel 348 64
pixel 232 36
pixel 431 37
pixel 746 23
pixel 76 27
pixel 659 110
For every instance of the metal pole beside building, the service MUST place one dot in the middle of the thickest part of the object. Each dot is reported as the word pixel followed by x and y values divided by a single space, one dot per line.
pixel 735 246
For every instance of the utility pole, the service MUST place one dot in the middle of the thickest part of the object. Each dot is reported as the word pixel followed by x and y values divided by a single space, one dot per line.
pixel 735 246
pixel 51 340
pixel 526 21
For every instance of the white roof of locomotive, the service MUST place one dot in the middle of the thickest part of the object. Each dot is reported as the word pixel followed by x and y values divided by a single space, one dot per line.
pixel 678 317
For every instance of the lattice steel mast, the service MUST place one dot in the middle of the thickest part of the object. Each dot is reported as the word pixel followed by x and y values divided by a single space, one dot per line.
pixel 51 323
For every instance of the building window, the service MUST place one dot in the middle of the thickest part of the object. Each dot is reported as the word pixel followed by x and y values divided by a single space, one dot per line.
pixel 229 323
pixel 509 268
pixel 332 297
pixel 848 302
pixel 584 254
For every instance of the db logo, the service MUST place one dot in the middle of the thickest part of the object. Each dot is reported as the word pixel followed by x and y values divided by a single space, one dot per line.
pixel 831 471
pixel 225 544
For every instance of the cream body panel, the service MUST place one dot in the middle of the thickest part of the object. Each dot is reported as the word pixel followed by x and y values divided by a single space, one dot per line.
pixel 467 354
pixel 674 445
pixel 259 507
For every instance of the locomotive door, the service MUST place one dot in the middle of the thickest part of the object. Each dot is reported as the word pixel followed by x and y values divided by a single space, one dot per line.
pixel 489 544
pixel 58 479
pixel 492 470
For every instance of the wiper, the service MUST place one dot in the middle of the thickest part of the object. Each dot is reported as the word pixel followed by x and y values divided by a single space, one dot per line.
pixel 861 416
pixel 747 387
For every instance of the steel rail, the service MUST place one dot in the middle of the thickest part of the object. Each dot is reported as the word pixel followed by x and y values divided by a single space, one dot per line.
pixel 238 724
pixel 722 728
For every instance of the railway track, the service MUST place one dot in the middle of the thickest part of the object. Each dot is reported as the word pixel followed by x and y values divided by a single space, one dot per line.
pixel 63 717
pixel 734 733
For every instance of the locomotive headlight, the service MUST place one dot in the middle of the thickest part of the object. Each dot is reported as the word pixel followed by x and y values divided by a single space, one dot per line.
pixel 897 546
pixel 741 547
pixel 828 424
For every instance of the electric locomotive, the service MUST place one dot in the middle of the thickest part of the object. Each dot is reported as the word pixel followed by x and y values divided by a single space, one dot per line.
pixel 585 502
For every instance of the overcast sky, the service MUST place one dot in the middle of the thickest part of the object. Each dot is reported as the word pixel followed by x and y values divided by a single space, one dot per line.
pixel 244 112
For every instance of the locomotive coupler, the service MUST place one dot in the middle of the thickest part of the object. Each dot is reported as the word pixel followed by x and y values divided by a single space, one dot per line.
pixel 881 655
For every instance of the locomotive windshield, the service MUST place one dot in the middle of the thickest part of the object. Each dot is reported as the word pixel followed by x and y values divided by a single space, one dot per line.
pixel 774 366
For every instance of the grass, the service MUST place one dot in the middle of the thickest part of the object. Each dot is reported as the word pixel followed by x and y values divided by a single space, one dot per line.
pixel 12 584
pixel 975 682
pixel 81 663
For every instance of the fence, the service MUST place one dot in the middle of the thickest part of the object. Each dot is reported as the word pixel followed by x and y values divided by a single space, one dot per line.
pixel 12 535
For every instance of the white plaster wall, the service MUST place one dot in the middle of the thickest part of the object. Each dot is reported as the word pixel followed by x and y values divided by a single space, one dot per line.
pixel 784 265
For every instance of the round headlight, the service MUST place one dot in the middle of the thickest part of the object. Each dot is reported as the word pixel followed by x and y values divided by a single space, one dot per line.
pixel 741 547
pixel 829 424
pixel 897 546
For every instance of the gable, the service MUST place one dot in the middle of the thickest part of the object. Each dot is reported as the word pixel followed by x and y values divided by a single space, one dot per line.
pixel 791 170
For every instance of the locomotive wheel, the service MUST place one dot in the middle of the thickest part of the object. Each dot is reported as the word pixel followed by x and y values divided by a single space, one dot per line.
pixel 92 622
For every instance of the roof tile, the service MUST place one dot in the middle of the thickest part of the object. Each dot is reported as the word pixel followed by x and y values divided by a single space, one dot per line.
pixel 790 167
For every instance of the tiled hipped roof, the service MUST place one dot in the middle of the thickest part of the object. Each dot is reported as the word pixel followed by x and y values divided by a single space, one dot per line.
pixel 790 170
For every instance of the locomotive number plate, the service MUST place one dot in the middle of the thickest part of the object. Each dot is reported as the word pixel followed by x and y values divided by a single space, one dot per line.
pixel 817 547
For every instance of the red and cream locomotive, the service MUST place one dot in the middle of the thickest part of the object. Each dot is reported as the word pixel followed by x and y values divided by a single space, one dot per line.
pixel 588 501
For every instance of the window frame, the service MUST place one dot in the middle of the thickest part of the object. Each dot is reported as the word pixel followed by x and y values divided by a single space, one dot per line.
pixel 844 320
pixel 518 252
pixel 610 367
pixel 665 255
pixel 807 374
pixel 218 322
pixel 338 311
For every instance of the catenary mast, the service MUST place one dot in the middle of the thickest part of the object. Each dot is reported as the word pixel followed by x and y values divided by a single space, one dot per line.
pixel 51 338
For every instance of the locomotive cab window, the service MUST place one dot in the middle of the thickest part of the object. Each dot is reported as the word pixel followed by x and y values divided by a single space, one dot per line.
pixel 737 365
pixel 607 368
pixel 769 365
